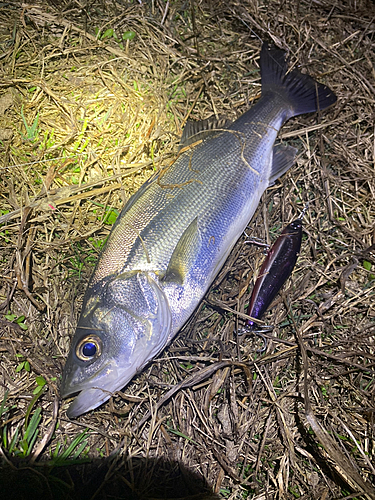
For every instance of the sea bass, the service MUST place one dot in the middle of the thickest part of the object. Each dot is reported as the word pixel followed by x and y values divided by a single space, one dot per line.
pixel 173 236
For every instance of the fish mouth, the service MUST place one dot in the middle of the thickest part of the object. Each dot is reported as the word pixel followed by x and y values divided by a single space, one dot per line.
pixel 90 396
pixel 87 400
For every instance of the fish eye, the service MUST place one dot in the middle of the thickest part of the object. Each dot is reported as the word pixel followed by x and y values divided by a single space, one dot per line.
pixel 89 347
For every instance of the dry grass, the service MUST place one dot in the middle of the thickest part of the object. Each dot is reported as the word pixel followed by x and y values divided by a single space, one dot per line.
pixel 83 122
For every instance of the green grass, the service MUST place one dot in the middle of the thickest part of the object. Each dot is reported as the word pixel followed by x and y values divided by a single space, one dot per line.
pixel 72 454
pixel 110 33
pixel 21 442
pixel 19 320
pixel 110 215
pixel 81 259
pixel 180 434
pixel 31 130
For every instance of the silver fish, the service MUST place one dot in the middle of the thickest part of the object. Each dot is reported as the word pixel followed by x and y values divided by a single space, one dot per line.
pixel 173 236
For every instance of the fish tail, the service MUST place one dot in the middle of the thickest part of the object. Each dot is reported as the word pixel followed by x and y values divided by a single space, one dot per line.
pixel 301 92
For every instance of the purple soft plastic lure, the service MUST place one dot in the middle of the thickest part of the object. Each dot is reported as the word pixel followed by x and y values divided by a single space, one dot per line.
pixel 275 270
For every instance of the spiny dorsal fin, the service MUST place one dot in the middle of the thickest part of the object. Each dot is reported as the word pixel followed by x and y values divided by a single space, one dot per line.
pixel 196 131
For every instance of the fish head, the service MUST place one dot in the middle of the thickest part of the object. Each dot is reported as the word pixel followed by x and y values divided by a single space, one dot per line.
pixel 124 324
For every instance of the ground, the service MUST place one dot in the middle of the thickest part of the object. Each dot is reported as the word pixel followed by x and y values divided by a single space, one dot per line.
pixel 93 98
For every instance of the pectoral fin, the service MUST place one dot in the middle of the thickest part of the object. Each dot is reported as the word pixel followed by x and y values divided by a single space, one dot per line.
pixel 283 158
pixel 185 253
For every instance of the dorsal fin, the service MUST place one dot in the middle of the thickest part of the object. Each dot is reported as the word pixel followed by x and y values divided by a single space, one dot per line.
pixel 196 131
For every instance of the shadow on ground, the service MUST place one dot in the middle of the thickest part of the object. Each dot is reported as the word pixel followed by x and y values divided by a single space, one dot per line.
pixel 130 479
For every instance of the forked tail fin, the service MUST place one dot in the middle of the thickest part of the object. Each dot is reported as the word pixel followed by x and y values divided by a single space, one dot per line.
pixel 301 92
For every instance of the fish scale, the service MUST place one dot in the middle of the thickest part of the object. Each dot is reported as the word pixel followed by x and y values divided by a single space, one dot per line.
pixel 174 234
pixel 203 185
